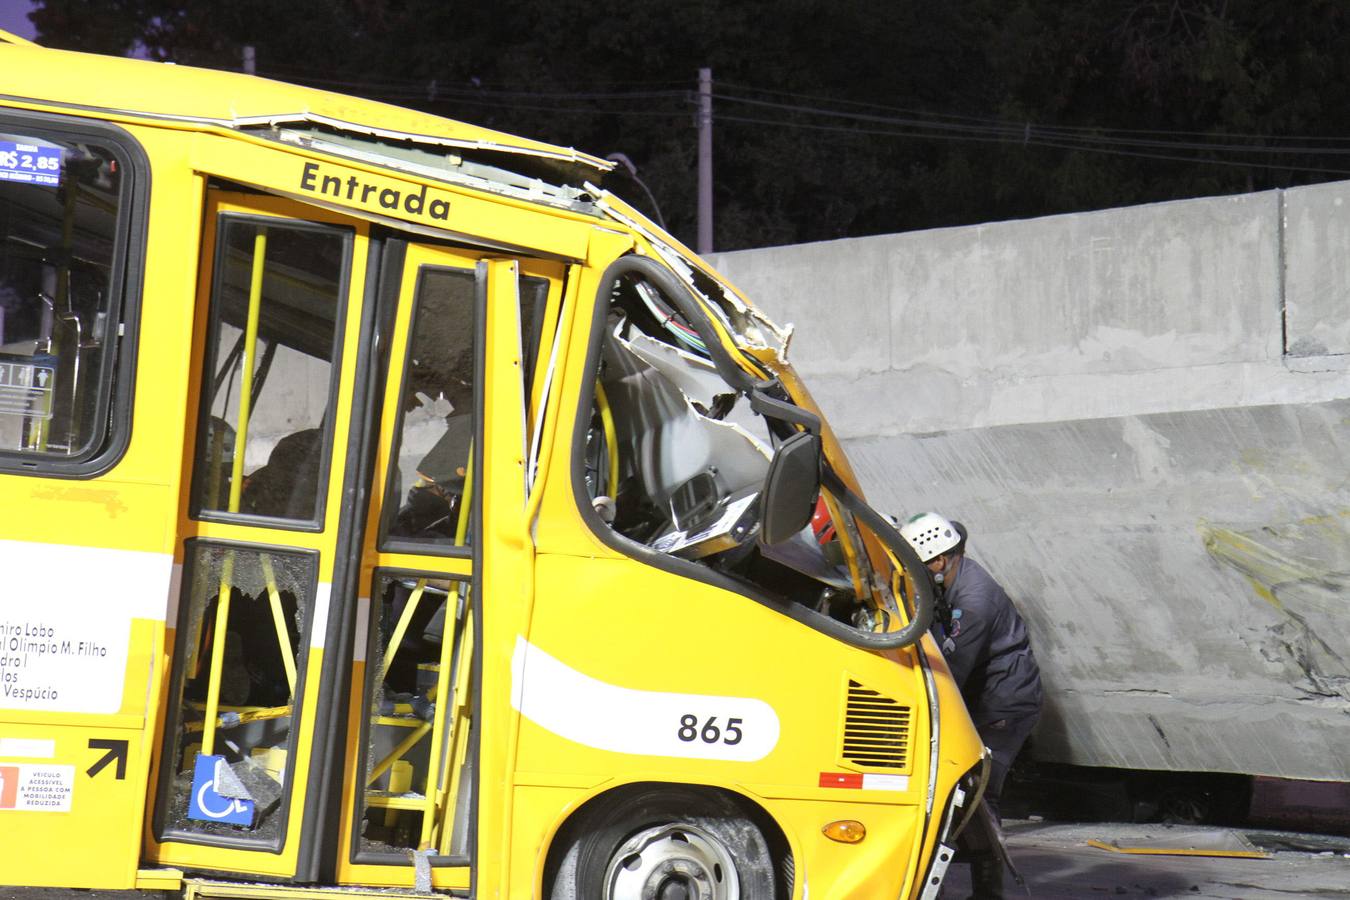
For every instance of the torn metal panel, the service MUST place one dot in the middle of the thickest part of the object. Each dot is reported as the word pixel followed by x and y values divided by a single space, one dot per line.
pixel 433 161
pixel 544 151
pixel 738 317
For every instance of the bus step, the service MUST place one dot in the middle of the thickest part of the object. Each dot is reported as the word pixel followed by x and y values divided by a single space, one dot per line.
pixel 201 889
pixel 159 879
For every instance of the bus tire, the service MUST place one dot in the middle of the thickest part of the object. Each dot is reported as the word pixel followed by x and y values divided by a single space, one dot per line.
pixel 665 843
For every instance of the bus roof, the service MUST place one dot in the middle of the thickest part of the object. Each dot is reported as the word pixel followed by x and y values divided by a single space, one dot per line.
pixel 140 88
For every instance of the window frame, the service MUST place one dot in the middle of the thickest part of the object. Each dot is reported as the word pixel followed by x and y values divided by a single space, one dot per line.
pixel 621 543
pixel 389 505
pixel 113 406
pixel 316 523
pixel 355 799
pixel 176 679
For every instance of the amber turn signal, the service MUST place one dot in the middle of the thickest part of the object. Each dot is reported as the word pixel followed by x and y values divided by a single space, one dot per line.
pixel 846 831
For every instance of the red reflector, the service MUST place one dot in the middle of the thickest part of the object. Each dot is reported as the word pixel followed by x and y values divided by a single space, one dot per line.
pixel 841 779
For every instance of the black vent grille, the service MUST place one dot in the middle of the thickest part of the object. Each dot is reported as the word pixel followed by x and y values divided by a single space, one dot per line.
pixel 876 730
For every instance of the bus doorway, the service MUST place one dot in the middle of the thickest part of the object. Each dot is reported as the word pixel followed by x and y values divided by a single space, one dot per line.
pixel 451 440
pixel 318 385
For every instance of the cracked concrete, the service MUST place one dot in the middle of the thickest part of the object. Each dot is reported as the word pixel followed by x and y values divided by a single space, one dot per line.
pixel 1117 406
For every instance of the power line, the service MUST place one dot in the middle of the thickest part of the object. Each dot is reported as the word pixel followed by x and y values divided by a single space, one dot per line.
pixel 929 114
pixel 1035 141
pixel 913 124
pixel 1025 131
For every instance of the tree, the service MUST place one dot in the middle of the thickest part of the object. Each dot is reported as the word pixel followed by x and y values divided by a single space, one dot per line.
pixel 832 119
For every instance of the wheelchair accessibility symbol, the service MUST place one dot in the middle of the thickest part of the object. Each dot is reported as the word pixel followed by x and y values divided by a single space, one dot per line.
pixel 206 805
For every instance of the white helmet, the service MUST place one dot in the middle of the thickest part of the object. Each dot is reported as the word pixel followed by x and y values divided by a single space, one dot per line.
pixel 930 535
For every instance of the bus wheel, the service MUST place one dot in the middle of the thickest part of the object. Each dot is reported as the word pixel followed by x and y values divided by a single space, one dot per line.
pixel 666 844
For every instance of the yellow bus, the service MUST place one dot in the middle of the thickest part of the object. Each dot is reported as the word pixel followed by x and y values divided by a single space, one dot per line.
pixel 388 507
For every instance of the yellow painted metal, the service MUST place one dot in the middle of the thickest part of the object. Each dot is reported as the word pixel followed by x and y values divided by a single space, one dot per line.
pixel 246 371
pixel 159 879
pixel 485 217
pixel 460 730
pixel 508 566
pixel 279 621
pixel 194 888
pixel 398 752
pixel 217 666
pixel 548 388
pixel 1178 851
pixel 244 862
pixel 611 437
pixel 431 817
pixel 222 619
pixel 123 88
pixel 465 504
pixel 244 715
pixel 400 783
pixel 534 549
pixel 388 800
pixel 398 721
pixel 396 639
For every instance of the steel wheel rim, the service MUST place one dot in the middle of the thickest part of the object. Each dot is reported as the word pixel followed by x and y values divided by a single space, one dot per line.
pixel 657 862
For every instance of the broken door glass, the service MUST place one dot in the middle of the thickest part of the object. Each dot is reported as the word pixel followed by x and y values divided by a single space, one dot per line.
pixel 413 792
pixel 238 669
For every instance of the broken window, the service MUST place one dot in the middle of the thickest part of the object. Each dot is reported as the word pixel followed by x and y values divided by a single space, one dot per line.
pixel 237 673
pixel 675 459
pixel 415 792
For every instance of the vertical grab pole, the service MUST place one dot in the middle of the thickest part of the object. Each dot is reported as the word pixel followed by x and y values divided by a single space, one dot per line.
pixel 396 639
pixel 611 439
pixel 279 622
pixel 433 815
pixel 236 486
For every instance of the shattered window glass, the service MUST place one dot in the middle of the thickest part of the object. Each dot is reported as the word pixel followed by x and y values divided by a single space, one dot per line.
pixel 675 459
pixel 268 398
pixel 243 657
pixel 417 710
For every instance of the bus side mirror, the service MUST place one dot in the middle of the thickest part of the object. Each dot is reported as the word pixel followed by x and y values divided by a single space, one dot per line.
pixel 790 488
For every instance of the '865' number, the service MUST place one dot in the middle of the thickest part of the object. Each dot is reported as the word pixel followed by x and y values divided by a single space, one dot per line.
pixel 710 733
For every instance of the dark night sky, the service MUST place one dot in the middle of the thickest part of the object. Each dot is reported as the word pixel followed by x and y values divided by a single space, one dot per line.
pixel 833 118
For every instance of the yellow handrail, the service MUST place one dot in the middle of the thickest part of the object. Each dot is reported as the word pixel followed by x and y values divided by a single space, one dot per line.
pixel 611 437
pixel 236 486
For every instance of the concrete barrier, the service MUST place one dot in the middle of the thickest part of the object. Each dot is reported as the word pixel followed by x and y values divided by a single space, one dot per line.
pixel 1143 415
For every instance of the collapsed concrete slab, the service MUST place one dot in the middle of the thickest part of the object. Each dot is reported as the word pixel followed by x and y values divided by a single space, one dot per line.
pixel 1142 416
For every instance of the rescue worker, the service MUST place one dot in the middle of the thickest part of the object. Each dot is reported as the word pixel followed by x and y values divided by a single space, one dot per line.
pixel 985 644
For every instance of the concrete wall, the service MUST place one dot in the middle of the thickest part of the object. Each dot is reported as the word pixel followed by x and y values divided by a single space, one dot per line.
pixel 1143 416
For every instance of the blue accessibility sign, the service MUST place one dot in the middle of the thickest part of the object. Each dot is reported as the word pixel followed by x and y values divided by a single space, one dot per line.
pixel 207 804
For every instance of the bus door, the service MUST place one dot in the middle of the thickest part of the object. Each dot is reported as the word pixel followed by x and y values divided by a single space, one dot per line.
pixel 449 468
pixel 282 573
pixel 274 361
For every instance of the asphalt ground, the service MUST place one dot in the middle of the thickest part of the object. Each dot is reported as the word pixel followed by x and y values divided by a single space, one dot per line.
pixel 1058 864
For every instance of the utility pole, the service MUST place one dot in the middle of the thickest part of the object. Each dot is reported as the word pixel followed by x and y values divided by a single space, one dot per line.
pixel 705 175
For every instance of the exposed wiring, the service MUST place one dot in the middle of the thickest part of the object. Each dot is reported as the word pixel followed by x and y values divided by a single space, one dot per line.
pixel 666 316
